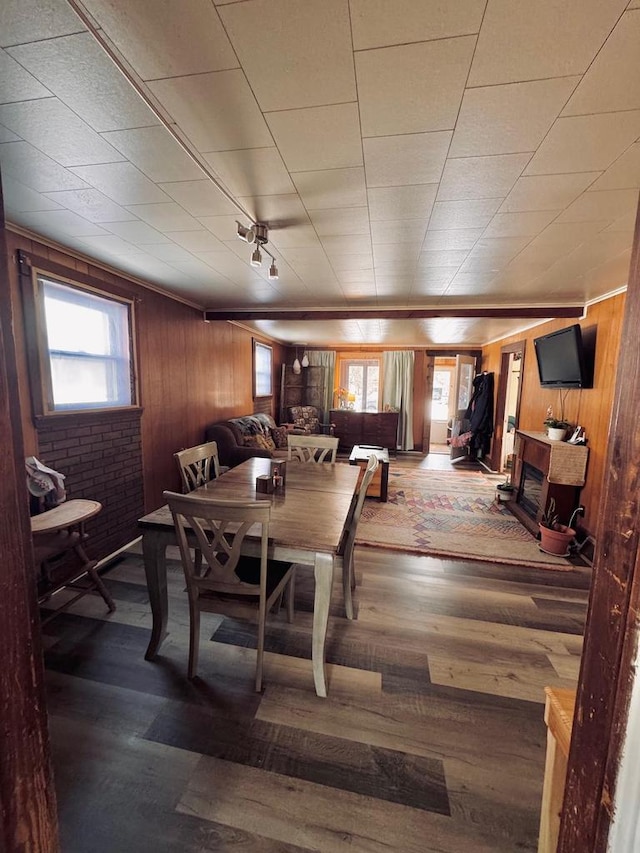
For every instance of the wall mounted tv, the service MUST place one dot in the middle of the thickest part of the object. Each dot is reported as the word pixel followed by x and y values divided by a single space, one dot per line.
pixel 563 361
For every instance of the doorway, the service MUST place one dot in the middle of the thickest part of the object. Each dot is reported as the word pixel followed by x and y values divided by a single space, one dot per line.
pixel 441 413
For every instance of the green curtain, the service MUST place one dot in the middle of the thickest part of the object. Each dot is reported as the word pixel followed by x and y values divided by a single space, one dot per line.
pixel 397 391
pixel 326 359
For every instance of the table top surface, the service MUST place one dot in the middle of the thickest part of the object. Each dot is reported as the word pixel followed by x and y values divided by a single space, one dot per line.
pixel 309 514
pixel 64 515
pixel 362 452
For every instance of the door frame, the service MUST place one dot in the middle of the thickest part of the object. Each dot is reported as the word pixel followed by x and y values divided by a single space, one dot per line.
pixel 501 399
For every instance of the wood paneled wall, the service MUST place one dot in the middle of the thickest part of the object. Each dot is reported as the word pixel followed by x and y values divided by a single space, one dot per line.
pixel 589 407
pixel 191 373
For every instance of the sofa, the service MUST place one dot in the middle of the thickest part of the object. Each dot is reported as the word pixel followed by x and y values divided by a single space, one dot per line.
pixel 247 436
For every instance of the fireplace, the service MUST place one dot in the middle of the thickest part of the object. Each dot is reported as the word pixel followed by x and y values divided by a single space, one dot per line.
pixel 530 491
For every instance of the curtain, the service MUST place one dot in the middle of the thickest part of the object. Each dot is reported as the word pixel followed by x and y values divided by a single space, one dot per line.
pixel 397 392
pixel 326 359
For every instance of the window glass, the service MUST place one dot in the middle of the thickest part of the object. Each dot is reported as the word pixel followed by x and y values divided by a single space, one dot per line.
pixel 88 355
pixel 360 380
pixel 262 369
pixel 440 397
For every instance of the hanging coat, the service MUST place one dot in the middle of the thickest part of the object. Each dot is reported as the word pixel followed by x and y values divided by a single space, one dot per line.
pixel 480 413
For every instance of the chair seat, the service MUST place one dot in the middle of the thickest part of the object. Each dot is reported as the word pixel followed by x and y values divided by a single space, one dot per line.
pixel 248 570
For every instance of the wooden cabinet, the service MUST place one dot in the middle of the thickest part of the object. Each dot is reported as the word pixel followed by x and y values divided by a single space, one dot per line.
pixel 377 428
pixel 545 469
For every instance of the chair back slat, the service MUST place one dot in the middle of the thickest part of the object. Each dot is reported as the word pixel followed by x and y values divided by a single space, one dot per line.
pixel 312 448
pixel 198 465
pixel 352 522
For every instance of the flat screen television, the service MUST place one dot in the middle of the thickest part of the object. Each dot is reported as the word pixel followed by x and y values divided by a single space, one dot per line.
pixel 562 362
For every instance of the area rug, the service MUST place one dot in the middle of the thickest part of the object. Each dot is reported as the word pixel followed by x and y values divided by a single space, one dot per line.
pixel 450 514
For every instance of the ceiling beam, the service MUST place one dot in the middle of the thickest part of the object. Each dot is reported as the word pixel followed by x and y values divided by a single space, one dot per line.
pixel 531 312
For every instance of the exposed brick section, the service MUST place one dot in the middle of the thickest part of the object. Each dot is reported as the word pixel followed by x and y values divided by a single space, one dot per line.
pixel 101 457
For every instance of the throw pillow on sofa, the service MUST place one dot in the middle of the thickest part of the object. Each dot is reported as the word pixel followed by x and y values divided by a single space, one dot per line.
pixel 258 441
pixel 279 435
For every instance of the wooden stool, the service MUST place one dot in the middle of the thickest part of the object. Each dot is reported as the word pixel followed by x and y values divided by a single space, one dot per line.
pixel 58 531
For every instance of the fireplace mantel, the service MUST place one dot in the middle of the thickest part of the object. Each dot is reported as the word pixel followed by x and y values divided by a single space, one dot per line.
pixel 546 469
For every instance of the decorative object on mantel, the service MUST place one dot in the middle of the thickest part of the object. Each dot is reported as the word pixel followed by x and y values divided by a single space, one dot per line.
pixel 556 427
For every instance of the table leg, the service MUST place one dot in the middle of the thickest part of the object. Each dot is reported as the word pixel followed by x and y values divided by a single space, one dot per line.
pixel 154 544
pixel 323 571
pixel 384 482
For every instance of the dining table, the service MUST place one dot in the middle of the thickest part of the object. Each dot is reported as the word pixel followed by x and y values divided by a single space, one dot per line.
pixel 307 526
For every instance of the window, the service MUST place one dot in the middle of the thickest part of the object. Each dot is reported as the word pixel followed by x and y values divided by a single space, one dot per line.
pixel 361 380
pixel 262 370
pixel 85 348
pixel 441 390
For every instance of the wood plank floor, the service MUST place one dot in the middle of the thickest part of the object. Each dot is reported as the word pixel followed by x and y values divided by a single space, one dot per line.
pixel 432 738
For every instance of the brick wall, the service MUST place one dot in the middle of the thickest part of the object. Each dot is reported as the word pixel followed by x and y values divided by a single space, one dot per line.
pixel 100 455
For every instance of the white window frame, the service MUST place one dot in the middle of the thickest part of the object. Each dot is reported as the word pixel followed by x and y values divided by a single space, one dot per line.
pixel 366 362
pixel 122 355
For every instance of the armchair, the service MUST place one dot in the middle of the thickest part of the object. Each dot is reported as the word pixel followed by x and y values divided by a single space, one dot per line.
pixel 308 420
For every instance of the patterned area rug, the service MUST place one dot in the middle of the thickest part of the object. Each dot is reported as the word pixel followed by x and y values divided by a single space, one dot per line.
pixel 450 514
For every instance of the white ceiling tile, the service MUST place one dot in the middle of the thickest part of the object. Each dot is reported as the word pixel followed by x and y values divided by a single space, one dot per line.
pixel 53 128
pixel 65 221
pixel 315 38
pixel 358 261
pixel 7 135
pixel 331 188
pixel 293 235
pixel 156 153
pixel 401 202
pixel 612 82
pixel 399 231
pixel 481 177
pixel 399 257
pixel 122 183
pixel 362 277
pixel 344 220
pixel 199 198
pixel 35 20
pixel 20 197
pixel 136 232
pixel 165 217
pixel 222 227
pixel 416 158
pixel 520 40
pixel 434 276
pixel 605 204
pixel 252 171
pixel 161 38
pixel 169 252
pixel 376 23
pixel 92 205
pixel 34 169
pixel 546 192
pixel 522 224
pixel 227 264
pixel 412 88
pixel 499 247
pixel 347 244
pixel 196 241
pixel 624 173
pixel 83 77
pixel 442 259
pixel 473 213
pixel 318 137
pixel 458 238
pixel 216 111
pixel 624 223
pixel 509 118
pixel 470 283
pixel 16 84
pixel 585 143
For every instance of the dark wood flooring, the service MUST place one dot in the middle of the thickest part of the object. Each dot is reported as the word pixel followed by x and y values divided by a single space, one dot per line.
pixel 432 738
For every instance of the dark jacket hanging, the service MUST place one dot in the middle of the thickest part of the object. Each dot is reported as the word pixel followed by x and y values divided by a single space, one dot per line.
pixel 480 414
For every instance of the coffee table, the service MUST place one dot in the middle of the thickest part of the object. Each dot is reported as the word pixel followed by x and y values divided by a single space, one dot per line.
pixel 379 485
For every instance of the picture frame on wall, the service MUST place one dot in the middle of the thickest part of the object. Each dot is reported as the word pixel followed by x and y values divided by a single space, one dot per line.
pixel 262 369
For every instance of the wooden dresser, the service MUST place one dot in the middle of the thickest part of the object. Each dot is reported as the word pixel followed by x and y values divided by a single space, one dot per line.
pixel 377 428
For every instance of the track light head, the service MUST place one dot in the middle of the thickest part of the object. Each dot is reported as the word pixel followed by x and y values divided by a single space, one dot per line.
pixel 273 271
pixel 256 258
pixel 246 234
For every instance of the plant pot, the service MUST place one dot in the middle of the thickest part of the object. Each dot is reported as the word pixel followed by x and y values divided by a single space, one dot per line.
pixel 556 434
pixel 556 541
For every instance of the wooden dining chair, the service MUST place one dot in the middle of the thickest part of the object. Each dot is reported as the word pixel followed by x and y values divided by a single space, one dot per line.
pixel 312 448
pixel 220 528
pixel 198 465
pixel 347 548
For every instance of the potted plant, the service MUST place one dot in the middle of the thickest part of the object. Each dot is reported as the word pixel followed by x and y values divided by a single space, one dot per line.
pixel 556 427
pixel 555 538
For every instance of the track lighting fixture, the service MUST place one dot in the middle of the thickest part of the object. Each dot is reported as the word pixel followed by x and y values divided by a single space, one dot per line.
pixel 258 233
pixel 246 234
